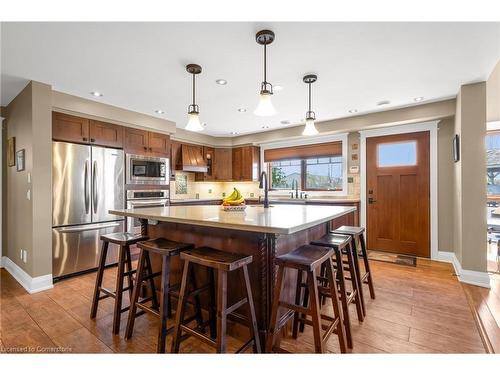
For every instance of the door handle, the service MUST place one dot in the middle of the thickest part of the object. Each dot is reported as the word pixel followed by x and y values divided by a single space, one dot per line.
pixel 371 200
pixel 84 228
pixel 94 187
pixel 86 186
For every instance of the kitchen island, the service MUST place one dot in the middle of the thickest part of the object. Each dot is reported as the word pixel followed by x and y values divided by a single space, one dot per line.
pixel 264 233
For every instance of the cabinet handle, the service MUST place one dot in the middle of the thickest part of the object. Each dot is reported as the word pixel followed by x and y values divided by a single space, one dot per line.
pixel 145 148
pixel 151 149
pixel 85 139
pixel 92 139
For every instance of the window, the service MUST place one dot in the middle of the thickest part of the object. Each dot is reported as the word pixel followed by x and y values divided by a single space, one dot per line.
pixel 397 154
pixel 493 164
pixel 310 174
pixel 284 173
pixel 323 173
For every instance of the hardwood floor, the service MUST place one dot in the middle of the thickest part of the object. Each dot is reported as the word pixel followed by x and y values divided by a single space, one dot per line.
pixel 421 309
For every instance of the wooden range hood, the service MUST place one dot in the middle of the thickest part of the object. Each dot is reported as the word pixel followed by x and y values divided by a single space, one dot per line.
pixel 192 159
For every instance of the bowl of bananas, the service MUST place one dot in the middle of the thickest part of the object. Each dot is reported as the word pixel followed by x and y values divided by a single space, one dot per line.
pixel 234 202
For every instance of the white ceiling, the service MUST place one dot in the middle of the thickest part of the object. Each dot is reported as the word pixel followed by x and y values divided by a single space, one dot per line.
pixel 141 66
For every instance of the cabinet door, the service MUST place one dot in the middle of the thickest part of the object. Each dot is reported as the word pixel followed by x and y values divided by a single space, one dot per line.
pixel 175 155
pixel 70 128
pixel 159 144
pixel 223 164
pixel 237 163
pixel 106 134
pixel 136 141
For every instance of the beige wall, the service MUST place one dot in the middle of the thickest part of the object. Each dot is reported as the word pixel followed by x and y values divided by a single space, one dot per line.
pixel 445 184
pixel 470 187
pixel 493 95
pixel 28 224
pixel 99 111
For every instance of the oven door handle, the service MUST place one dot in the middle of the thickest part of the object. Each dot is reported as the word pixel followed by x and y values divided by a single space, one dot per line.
pixel 147 204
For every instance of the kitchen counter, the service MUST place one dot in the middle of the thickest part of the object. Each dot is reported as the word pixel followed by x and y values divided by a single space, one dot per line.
pixel 279 219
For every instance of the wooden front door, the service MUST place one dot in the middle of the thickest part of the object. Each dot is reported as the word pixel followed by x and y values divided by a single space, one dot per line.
pixel 398 193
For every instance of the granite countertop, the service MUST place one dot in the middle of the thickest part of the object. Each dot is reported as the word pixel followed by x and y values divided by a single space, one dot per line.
pixel 279 219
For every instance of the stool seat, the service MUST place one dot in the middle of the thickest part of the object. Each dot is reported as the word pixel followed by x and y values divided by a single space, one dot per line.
pixel 163 246
pixel 220 260
pixel 123 238
pixel 306 257
pixel 332 239
pixel 353 231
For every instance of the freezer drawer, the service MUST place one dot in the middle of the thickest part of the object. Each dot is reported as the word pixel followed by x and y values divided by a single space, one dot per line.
pixel 76 248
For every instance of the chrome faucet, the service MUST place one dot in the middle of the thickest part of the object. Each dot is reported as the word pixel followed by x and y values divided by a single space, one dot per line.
pixel 296 188
pixel 264 185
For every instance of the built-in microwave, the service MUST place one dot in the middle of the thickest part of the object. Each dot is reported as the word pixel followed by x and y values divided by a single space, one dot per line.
pixel 147 170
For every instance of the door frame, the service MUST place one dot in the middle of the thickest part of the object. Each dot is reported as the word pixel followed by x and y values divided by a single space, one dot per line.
pixel 431 127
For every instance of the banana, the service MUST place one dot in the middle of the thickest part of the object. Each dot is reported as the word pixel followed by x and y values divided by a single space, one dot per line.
pixel 237 202
pixel 232 196
pixel 235 199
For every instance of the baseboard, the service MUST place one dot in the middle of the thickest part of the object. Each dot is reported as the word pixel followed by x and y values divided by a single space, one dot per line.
pixel 465 276
pixel 31 284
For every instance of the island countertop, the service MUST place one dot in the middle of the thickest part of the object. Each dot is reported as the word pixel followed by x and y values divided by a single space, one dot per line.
pixel 278 219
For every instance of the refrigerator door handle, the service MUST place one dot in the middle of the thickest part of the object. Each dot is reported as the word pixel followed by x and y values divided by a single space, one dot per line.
pixel 86 186
pixel 85 228
pixel 94 187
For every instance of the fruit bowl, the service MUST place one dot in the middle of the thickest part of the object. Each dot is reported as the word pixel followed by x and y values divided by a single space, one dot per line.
pixel 238 208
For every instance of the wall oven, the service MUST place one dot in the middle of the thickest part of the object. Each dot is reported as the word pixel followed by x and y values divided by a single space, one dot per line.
pixel 142 199
pixel 147 170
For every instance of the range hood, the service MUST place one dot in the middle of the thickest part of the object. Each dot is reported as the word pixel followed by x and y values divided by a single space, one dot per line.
pixel 192 159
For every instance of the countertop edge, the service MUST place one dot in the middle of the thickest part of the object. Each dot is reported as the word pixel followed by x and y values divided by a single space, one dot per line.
pixel 244 228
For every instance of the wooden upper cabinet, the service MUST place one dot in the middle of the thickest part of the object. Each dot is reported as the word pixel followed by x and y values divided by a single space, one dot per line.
pixel 159 144
pixel 208 157
pixel 70 128
pixel 106 134
pixel 222 164
pixel 175 155
pixel 246 163
pixel 136 141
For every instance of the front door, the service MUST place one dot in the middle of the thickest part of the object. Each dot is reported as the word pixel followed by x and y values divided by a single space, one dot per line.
pixel 398 193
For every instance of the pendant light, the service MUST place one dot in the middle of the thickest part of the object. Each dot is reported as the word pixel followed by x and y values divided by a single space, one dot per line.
pixel 194 124
pixel 265 106
pixel 310 128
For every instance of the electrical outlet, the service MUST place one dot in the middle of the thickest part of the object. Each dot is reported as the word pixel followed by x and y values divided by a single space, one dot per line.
pixel 252 195
pixel 209 191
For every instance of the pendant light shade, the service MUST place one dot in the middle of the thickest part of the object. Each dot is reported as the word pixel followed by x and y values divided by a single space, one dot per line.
pixel 194 123
pixel 265 106
pixel 310 128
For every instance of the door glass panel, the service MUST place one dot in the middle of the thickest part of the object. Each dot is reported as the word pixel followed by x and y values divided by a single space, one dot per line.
pixel 397 154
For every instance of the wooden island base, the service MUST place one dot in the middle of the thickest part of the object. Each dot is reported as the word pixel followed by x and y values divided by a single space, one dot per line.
pixel 264 248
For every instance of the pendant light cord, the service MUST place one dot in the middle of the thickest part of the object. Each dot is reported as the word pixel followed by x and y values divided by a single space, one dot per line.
pixel 265 63
pixel 194 87
pixel 309 96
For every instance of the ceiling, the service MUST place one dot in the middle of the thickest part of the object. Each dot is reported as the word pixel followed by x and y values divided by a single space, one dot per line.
pixel 141 66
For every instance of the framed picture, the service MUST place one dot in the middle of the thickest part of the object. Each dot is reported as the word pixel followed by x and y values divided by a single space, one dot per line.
pixel 20 160
pixel 11 151
pixel 456 148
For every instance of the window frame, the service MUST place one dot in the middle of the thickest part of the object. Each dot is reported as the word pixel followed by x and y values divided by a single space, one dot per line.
pixel 343 137
pixel 489 198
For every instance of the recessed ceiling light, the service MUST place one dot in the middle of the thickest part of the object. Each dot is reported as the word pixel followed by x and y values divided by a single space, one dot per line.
pixel 418 98
pixel 96 93
pixel 159 111
pixel 383 102
pixel 277 88
pixel 234 133
pixel 204 124
pixel 242 110
pixel 285 122
pixel 353 111
pixel 221 82
pixel 265 126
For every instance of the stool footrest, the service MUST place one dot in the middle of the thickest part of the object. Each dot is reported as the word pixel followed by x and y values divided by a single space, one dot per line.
pixel 236 306
pixel 294 307
pixel 245 346
pixel 107 292
pixel 148 309
pixel 284 319
pixel 198 335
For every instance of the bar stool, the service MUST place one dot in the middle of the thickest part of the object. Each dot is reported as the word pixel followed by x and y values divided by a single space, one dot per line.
pixel 357 234
pixel 123 240
pixel 166 249
pixel 223 263
pixel 341 244
pixel 307 259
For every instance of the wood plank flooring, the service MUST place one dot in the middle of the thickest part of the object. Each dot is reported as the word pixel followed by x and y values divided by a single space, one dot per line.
pixel 421 309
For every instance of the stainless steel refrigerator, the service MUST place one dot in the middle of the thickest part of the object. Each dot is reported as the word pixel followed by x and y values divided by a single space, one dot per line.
pixel 87 182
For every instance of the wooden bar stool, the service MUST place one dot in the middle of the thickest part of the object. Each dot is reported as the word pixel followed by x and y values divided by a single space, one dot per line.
pixel 341 244
pixel 357 234
pixel 307 259
pixel 166 249
pixel 223 263
pixel 123 240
